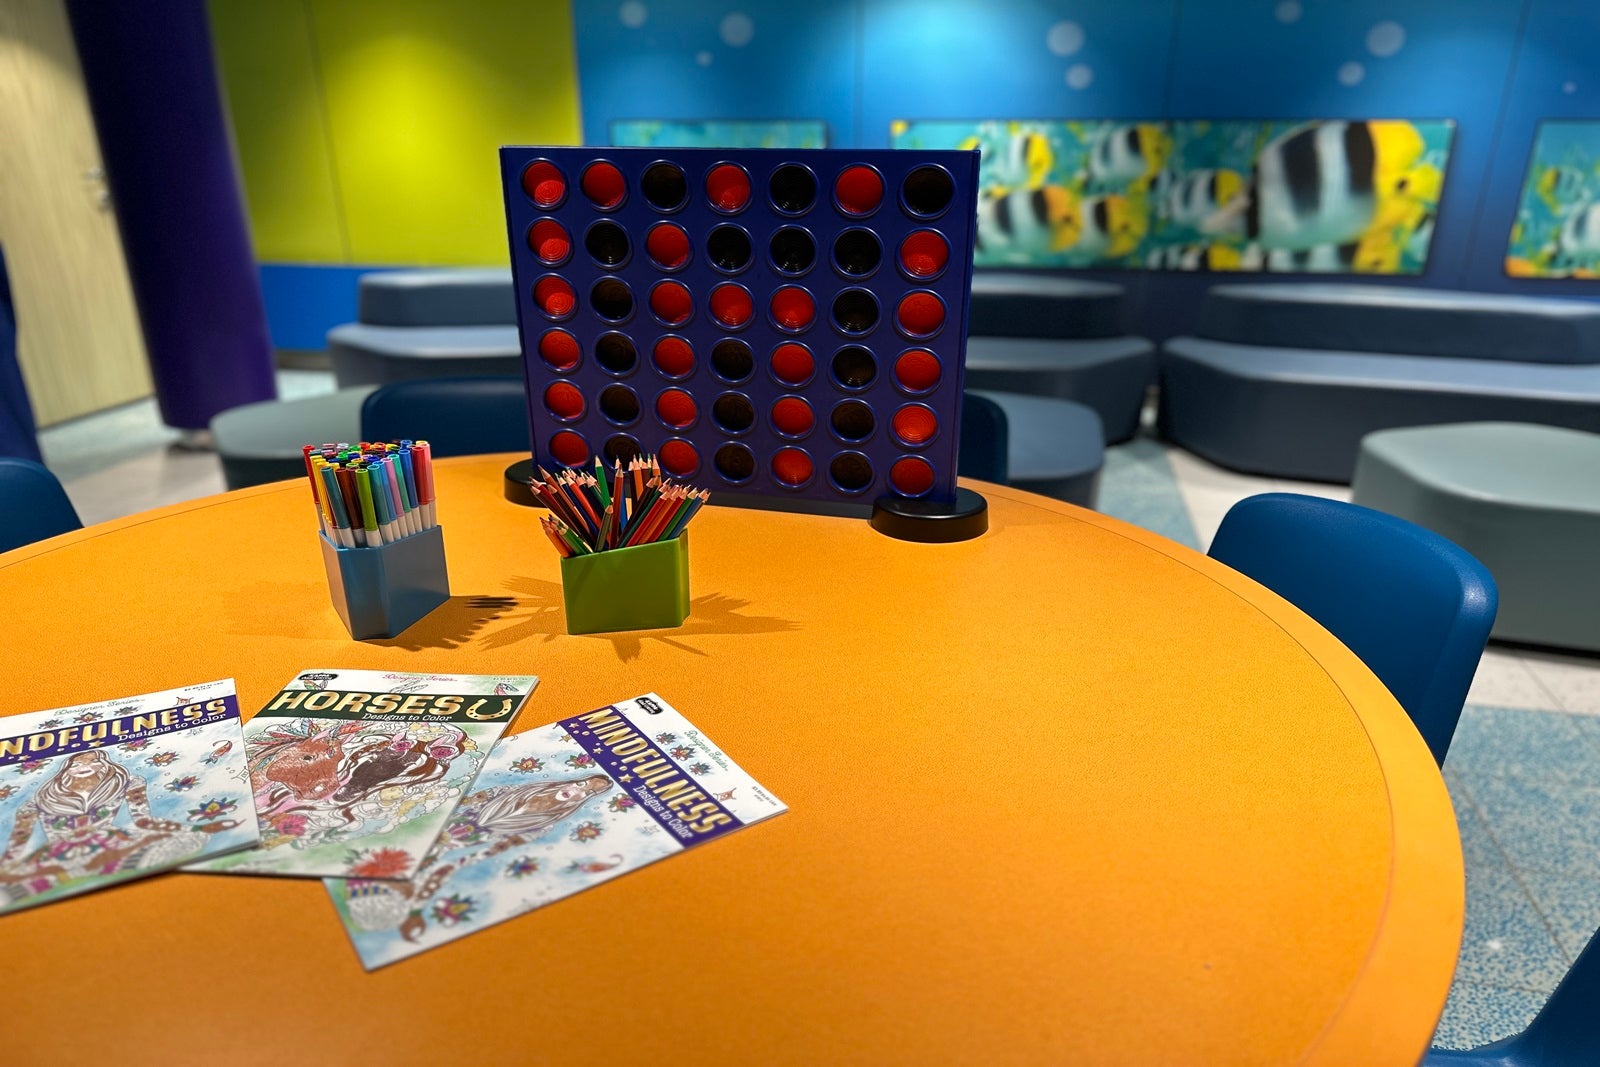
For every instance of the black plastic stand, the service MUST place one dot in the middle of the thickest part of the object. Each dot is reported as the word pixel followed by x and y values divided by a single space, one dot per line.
pixel 519 483
pixel 932 521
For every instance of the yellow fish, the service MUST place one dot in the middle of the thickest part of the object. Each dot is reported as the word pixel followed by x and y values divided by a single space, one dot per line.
pixel 1028 222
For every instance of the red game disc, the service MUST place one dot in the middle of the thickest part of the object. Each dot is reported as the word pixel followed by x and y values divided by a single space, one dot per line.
pixel 915 424
pixel 570 449
pixel 604 185
pixel 911 476
pixel 792 364
pixel 920 314
pixel 793 308
pixel 917 370
pixel 671 303
pixel 924 254
pixel 560 349
pixel 792 416
pixel 731 306
pixel 859 190
pixel 545 183
pixel 676 408
pixel 550 241
pixel 728 187
pixel 679 458
pixel 554 296
pixel 564 400
pixel 668 245
pixel 674 356
pixel 792 467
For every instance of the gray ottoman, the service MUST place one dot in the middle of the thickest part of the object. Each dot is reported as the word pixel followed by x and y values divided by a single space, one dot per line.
pixel 1054 447
pixel 261 442
pixel 1109 374
pixel 364 354
pixel 1524 499
pixel 1018 304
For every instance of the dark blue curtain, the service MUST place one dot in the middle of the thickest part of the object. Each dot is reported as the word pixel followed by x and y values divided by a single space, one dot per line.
pixel 16 414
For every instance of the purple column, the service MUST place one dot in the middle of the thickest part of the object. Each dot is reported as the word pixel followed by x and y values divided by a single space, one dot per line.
pixel 158 113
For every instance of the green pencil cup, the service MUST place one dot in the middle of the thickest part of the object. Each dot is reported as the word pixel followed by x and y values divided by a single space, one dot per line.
pixel 641 588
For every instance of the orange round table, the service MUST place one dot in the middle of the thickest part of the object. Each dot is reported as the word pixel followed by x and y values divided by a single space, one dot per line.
pixel 1067 793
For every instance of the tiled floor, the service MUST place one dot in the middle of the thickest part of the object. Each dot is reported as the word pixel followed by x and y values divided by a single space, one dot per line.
pixel 1524 769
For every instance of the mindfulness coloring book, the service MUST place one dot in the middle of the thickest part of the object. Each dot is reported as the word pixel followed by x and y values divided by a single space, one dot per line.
pixel 97 794
pixel 556 810
pixel 355 772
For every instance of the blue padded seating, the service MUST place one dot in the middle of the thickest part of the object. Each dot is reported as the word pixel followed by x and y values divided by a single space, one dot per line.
pixel 984 440
pixel 371 355
pixel 1016 304
pixel 1420 322
pixel 456 416
pixel 428 324
pixel 260 442
pixel 1416 608
pixel 1298 413
pixel 1563 1034
pixel 453 297
pixel 1053 447
pixel 18 434
pixel 1109 374
pixel 36 505
pixel 1285 380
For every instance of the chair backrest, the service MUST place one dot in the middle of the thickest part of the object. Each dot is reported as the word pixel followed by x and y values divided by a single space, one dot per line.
pixel 985 439
pixel 18 433
pixel 35 505
pixel 1415 607
pixel 456 416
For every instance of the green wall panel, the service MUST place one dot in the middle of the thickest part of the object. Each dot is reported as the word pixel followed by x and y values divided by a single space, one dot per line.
pixel 368 130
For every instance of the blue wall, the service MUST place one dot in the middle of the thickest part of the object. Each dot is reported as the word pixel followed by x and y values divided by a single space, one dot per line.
pixel 1494 66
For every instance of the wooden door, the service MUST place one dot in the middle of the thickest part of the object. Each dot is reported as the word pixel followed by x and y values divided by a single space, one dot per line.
pixel 78 334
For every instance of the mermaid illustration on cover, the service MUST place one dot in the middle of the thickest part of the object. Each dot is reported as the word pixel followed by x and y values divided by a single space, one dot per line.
pixel 486 824
pixel 77 810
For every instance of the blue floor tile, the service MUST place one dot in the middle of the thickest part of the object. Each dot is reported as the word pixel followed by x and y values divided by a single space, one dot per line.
pixel 1478 847
pixel 1570 906
pixel 1506 942
pixel 1525 744
pixel 1541 823
pixel 1137 486
pixel 1477 1014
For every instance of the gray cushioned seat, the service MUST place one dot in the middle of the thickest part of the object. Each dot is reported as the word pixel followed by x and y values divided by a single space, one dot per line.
pixel 1422 322
pixel 262 442
pixel 1297 413
pixel 1014 304
pixel 363 353
pixel 1525 500
pixel 1110 375
pixel 452 297
pixel 1054 447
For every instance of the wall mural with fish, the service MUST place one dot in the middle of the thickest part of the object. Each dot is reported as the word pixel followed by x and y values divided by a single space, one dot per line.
pixel 1557 229
pixel 676 133
pixel 1324 196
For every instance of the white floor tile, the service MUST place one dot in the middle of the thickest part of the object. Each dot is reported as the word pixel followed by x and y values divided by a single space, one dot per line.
pixel 1504 680
pixel 1572 680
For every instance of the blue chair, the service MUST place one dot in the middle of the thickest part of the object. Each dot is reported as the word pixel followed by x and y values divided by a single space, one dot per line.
pixel 1415 607
pixel 984 440
pixel 456 416
pixel 36 505
pixel 18 434
pixel 1563 1034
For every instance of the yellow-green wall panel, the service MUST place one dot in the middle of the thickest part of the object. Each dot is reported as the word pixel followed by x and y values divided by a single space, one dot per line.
pixel 420 95
pixel 268 71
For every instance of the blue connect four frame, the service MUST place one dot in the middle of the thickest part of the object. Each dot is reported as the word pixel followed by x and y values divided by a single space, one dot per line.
pixel 784 327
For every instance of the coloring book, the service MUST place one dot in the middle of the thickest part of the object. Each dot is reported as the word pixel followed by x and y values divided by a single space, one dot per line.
pixel 556 810
pixel 355 772
pixel 96 794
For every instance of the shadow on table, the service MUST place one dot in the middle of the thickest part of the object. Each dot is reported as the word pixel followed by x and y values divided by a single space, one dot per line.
pixel 536 611
pixel 453 624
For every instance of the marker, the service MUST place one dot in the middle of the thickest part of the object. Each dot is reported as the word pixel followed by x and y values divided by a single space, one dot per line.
pixel 369 515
